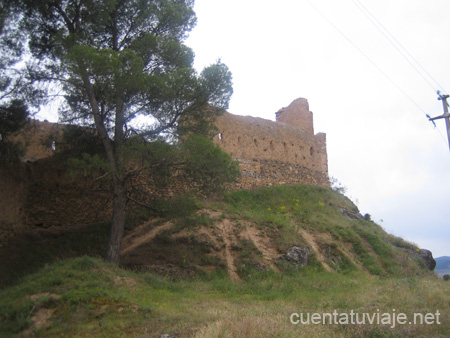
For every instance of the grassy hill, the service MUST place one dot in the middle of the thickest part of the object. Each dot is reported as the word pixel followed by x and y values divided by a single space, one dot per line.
pixel 243 231
pixel 249 230
pixel 215 268
pixel 85 297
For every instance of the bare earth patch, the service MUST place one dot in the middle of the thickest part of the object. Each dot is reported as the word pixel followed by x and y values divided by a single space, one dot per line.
pixel 310 239
pixel 40 320
pixel 225 227
pixel 221 235
pixel 263 244
pixel 142 235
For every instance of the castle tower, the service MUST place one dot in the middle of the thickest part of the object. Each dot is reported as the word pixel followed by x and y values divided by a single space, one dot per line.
pixel 297 114
pixel 275 153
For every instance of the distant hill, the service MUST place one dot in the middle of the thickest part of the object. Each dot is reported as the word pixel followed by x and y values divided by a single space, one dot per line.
pixel 442 265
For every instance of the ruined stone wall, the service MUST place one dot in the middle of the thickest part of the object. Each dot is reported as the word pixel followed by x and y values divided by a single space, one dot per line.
pixel 39 138
pixel 39 193
pixel 269 153
pixel 276 153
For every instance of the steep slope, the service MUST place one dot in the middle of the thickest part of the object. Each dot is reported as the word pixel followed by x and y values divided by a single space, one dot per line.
pixel 257 257
pixel 266 229
pixel 276 229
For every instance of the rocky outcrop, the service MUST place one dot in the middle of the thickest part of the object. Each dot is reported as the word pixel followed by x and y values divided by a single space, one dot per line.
pixel 297 255
pixel 425 256
pixel 351 214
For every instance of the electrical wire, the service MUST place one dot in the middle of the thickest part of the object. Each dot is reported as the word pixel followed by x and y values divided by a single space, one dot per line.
pixel 372 62
pixel 366 56
pixel 402 50
pixel 391 38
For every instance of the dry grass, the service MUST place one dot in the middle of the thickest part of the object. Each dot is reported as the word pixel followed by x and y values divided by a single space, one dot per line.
pixel 86 297
pixel 92 299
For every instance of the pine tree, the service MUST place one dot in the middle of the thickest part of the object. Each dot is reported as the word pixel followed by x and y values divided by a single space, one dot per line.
pixel 119 60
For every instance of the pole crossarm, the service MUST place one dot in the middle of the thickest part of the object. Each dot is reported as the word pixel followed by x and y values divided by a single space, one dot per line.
pixel 439 117
pixel 446 115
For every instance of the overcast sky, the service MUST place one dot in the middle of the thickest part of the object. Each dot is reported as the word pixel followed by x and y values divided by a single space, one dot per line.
pixel 368 99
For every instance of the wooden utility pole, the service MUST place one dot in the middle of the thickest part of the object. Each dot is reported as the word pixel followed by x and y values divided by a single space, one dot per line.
pixel 446 115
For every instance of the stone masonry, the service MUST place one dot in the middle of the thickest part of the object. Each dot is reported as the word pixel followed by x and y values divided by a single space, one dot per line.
pixel 37 191
pixel 275 153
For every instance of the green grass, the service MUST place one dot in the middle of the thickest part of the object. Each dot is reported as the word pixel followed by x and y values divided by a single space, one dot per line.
pixel 315 209
pixel 90 298
pixel 86 297
pixel 26 252
pixel 280 212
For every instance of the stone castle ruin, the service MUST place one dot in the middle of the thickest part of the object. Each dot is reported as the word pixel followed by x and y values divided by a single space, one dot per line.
pixel 38 192
pixel 276 153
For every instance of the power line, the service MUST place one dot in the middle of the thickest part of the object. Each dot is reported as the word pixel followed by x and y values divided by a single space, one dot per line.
pixel 365 56
pixel 373 63
pixel 391 38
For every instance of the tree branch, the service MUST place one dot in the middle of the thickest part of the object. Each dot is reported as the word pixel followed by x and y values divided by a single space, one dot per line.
pixel 67 20
pixel 103 176
pixel 145 205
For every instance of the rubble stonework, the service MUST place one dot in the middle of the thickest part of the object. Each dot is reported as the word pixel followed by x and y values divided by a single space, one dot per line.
pixel 39 192
pixel 275 153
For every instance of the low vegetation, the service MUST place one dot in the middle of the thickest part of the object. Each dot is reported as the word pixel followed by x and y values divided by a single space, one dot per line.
pixel 90 298
pixel 211 269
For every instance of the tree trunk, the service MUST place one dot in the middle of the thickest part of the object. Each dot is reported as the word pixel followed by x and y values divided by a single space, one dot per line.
pixel 116 163
pixel 117 223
